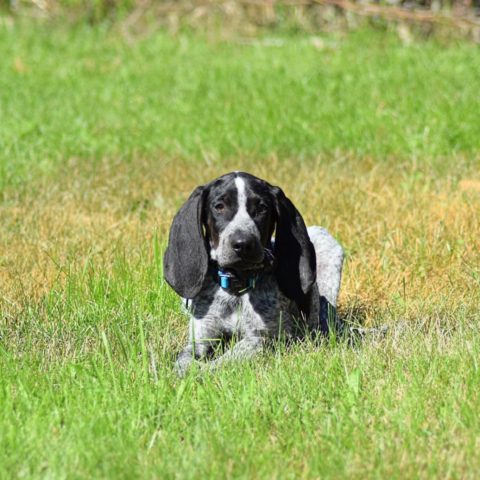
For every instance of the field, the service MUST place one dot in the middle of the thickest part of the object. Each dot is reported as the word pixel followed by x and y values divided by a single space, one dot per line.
pixel 102 138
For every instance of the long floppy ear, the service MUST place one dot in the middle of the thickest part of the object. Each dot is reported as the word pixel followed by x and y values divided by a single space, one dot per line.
pixel 185 261
pixel 294 252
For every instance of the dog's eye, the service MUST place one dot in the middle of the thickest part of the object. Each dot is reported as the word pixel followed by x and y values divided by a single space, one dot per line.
pixel 261 208
pixel 219 207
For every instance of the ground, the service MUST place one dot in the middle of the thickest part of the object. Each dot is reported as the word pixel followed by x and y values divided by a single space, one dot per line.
pixel 102 138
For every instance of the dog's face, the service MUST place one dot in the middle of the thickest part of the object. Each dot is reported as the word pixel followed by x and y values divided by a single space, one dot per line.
pixel 231 221
pixel 239 217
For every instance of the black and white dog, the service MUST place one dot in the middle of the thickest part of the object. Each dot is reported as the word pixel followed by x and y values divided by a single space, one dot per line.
pixel 237 280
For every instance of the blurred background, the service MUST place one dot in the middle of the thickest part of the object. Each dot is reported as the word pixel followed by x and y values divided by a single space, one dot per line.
pixel 248 16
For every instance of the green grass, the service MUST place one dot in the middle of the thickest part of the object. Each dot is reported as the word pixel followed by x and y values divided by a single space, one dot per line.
pixel 102 139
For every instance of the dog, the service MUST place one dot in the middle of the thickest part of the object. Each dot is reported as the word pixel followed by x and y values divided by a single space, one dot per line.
pixel 247 267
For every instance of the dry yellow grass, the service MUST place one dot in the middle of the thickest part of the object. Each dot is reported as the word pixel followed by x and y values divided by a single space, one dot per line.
pixel 410 236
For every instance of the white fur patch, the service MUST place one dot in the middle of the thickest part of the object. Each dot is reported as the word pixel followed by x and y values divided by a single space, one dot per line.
pixel 242 220
pixel 242 197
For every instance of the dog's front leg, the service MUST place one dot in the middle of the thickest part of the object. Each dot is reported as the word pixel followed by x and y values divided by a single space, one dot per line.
pixel 246 348
pixel 203 337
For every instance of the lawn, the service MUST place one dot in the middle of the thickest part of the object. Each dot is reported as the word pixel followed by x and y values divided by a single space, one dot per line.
pixel 102 138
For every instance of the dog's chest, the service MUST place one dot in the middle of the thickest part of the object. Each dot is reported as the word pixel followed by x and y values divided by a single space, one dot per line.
pixel 262 311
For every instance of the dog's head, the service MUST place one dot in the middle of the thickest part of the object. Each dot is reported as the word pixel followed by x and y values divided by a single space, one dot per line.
pixel 231 221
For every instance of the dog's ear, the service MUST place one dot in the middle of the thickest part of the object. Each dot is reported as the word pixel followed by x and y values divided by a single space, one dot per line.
pixel 293 250
pixel 185 262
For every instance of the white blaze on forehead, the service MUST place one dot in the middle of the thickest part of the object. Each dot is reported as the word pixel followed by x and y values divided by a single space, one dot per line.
pixel 242 220
pixel 242 196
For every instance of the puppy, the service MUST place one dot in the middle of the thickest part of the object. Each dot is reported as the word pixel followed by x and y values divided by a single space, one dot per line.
pixel 246 266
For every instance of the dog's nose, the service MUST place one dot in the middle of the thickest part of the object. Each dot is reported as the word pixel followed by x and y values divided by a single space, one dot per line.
pixel 243 244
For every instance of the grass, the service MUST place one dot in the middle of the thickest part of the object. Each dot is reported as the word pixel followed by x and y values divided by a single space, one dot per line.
pixel 102 139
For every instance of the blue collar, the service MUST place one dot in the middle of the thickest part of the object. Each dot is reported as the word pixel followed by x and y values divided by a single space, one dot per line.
pixel 238 283
pixel 235 284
